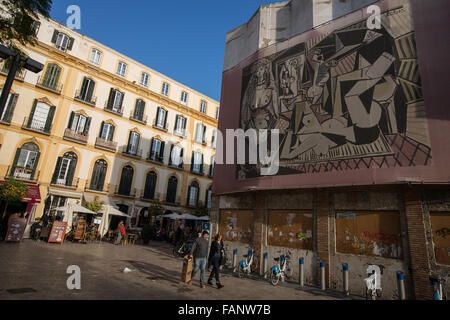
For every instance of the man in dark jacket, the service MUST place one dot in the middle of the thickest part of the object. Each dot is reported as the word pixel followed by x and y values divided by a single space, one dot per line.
pixel 199 252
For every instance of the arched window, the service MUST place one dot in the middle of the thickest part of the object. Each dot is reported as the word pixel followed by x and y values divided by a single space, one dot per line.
pixel 208 197
pixel 193 192
pixel 51 76
pixel 99 175
pixel 126 180
pixel 172 189
pixel 65 169
pixel 139 110
pixel 25 161
pixel 150 185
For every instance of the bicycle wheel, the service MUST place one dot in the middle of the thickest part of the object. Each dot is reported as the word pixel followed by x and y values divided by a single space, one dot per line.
pixel 289 270
pixel 274 279
pixel 240 271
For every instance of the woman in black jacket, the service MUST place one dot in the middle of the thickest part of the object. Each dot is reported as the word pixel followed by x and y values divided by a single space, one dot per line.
pixel 214 259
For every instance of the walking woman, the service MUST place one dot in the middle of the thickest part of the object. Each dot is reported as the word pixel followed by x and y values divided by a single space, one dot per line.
pixel 214 259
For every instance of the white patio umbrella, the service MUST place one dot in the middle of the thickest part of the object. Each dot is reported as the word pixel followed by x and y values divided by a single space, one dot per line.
pixel 172 216
pixel 69 210
pixel 108 210
pixel 188 216
pixel 204 218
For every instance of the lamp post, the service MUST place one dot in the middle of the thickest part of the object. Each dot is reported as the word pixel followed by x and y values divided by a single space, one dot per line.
pixel 28 63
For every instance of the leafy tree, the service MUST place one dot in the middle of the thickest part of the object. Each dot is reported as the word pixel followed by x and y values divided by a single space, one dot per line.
pixel 201 211
pixel 155 208
pixel 17 20
pixel 95 205
pixel 12 191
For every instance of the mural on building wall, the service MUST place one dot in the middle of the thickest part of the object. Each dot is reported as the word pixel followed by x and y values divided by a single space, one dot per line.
pixel 290 228
pixel 350 99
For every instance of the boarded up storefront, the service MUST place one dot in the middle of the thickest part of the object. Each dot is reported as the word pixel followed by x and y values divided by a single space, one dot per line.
pixel 236 225
pixel 291 229
pixel 440 226
pixel 370 233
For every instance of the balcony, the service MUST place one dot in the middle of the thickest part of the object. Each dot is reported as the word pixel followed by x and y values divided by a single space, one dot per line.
pixel 179 133
pixel 159 127
pixel 177 200
pixel 23 174
pixel 92 102
pixel 36 126
pixel 66 184
pixel 134 154
pixel 111 109
pixel 156 158
pixel 134 118
pixel 103 188
pixel 48 86
pixel 19 75
pixel 131 193
pixel 106 144
pixel 156 196
pixel 75 136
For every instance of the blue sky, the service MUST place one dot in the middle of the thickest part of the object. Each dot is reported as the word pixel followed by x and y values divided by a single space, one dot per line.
pixel 184 40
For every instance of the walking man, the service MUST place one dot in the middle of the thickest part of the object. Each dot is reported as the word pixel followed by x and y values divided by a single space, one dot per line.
pixel 199 252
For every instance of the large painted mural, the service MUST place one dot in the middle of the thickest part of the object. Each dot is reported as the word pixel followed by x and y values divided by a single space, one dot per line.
pixel 350 99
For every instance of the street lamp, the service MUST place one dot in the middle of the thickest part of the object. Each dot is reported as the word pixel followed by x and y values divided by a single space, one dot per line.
pixel 28 63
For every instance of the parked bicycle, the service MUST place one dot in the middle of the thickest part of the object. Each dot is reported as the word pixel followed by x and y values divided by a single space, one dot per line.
pixel 371 284
pixel 439 286
pixel 245 265
pixel 282 269
pixel 181 249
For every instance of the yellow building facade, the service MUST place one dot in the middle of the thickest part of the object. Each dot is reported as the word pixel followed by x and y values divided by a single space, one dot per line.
pixel 94 122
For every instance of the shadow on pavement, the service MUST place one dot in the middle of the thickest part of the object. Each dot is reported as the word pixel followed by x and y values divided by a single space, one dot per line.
pixel 156 272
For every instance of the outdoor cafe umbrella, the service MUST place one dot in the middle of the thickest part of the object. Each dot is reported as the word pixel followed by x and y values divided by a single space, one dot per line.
pixel 204 218
pixel 108 210
pixel 188 216
pixel 172 216
pixel 69 210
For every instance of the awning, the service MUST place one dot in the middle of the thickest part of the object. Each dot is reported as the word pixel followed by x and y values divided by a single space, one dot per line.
pixel 141 204
pixel 177 209
pixel 75 208
pixel 102 198
pixel 113 211
pixel 33 193
pixel 64 193
pixel 188 216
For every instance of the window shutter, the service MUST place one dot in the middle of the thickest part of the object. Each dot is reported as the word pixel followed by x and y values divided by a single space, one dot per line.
pixel 72 115
pixel 101 177
pixel 165 118
pixel 152 153
pixel 129 140
pixel 171 155
pixel 84 88
pixel 71 172
pixel 35 164
pixel 111 133
pixel 122 95
pixel 111 99
pixel 48 123
pixel 55 36
pixel 70 44
pixel 201 165
pixel 33 108
pixel 90 90
pixel 184 125
pixel 204 135
pixel 10 108
pixel 176 121
pixel 101 129
pixel 57 168
pixel 189 196
pixel 192 161
pixel 16 158
pixel 86 126
pixel 181 158
pixel 161 152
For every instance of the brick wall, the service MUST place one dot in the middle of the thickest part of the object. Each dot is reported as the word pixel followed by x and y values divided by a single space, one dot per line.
pixel 323 234
pixel 420 264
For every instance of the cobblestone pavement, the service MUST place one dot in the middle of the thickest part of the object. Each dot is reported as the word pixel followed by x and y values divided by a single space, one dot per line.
pixel 37 270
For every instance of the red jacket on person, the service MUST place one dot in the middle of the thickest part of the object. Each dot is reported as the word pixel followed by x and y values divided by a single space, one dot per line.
pixel 122 230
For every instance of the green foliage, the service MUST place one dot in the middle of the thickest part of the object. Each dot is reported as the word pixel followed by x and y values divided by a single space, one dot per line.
pixel 13 191
pixel 95 205
pixel 155 208
pixel 17 20
pixel 201 211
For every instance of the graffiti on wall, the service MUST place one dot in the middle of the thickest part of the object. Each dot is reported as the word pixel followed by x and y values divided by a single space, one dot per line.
pixel 350 99
pixel 236 225
pixel 292 229
pixel 440 225
pixel 369 233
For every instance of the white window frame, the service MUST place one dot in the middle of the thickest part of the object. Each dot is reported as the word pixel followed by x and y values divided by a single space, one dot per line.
pixel 203 106
pixel 64 175
pixel 95 57
pixel 197 165
pixel 133 142
pixel 109 128
pixel 144 79
pixel 193 196
pixel 165 89
pixel 184 97
pixel 78 123
pixel 62 41
pixel 180 124
pixel 121 69
pixel 159 119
